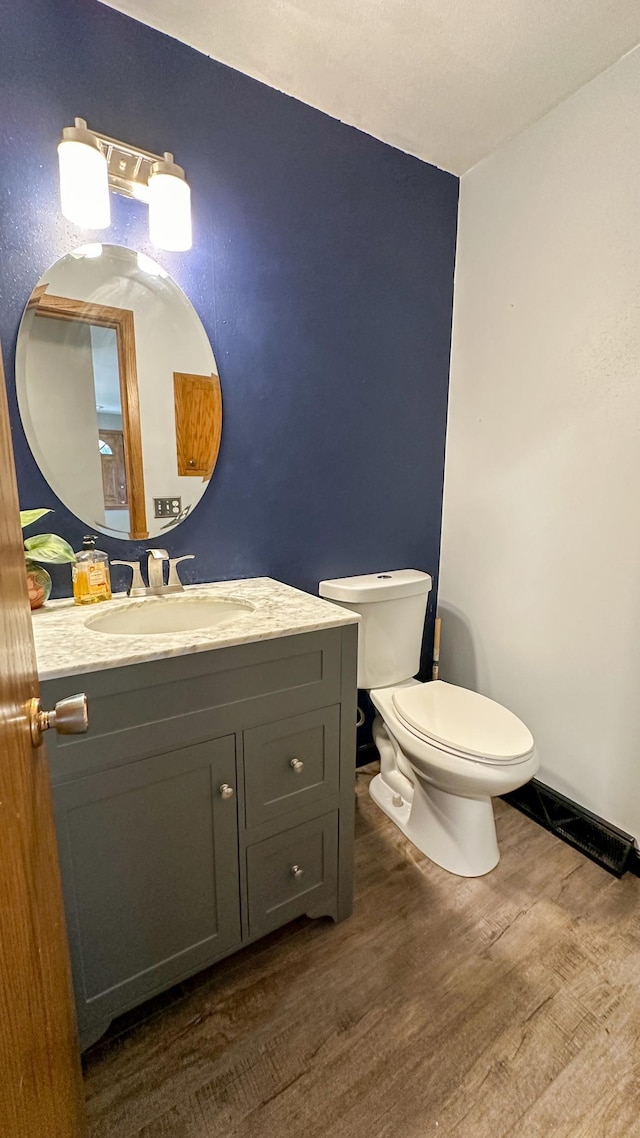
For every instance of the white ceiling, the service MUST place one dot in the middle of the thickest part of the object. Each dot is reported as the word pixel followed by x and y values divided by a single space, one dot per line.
pixel 446 80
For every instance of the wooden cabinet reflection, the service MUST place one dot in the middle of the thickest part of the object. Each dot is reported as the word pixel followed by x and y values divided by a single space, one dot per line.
pixel 198 409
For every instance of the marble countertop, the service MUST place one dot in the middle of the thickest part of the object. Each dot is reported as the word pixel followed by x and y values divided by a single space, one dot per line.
pixel 65 647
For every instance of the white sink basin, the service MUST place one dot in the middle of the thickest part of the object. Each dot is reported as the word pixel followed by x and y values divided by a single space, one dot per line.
pixel 158 616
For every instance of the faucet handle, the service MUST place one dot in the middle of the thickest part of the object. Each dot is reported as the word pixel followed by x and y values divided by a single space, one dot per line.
pixel 136 588
pixel 174 579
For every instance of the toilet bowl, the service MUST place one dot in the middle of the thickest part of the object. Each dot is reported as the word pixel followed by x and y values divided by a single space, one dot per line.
pixel 444 751
pixel 440 768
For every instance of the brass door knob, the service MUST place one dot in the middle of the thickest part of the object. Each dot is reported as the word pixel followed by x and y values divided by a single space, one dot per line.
pixel 297 871
pixel 226 791
pixel 70 716
pixel 297 766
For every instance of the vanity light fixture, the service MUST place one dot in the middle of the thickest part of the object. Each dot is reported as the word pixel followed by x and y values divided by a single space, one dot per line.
pixel 92 163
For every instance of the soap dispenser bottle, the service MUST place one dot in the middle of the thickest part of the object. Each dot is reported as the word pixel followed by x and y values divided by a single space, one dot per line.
pixel 91 578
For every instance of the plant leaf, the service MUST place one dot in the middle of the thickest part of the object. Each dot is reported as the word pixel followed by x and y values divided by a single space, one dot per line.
pixel 28 517
pixel 48 547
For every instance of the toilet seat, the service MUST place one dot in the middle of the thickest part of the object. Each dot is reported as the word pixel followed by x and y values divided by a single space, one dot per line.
pixel 462 723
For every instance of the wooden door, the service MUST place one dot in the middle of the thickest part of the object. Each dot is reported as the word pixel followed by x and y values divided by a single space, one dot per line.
pixel 40 1080
pixel 114 473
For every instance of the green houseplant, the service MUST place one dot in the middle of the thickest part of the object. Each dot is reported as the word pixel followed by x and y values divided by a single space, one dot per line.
pixel 44 547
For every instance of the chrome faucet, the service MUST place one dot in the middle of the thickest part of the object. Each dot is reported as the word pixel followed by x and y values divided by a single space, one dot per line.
pixel 155 574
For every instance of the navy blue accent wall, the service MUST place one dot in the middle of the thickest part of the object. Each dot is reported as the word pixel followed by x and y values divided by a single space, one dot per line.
pixel 322 270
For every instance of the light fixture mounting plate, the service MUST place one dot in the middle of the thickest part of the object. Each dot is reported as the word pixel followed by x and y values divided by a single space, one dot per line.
pixel 129 167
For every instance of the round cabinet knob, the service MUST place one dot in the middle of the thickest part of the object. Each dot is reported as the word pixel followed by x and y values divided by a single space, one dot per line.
pixel 297 871
pixel 297 766
pixel 192 463
pixel 69 717
pixel 226 791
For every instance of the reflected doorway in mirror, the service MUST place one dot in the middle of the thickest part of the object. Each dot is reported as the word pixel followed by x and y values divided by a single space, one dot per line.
pixel 93 349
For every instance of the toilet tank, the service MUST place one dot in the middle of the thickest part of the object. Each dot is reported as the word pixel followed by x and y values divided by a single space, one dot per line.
pixel 392 607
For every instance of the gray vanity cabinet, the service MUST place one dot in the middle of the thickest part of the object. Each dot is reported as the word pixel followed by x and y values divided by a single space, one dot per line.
pixel 210 802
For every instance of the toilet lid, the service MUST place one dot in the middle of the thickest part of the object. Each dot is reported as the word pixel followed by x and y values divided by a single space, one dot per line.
pixel 463 721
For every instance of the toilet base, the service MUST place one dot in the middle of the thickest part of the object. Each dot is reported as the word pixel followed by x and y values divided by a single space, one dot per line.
pixel 458 834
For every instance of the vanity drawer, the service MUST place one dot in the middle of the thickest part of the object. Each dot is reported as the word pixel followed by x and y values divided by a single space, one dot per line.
pixel 291 762
pixel 293 873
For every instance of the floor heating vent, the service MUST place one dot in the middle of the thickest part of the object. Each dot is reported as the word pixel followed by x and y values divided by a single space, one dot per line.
pixel 599 840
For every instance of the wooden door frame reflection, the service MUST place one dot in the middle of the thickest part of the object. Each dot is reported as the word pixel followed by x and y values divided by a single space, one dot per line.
pixel 122 321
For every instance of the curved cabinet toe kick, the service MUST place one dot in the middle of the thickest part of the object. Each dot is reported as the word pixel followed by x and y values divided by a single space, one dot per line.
pixel 211 802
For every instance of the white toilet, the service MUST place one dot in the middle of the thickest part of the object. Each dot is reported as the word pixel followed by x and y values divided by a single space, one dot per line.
pixel 444 750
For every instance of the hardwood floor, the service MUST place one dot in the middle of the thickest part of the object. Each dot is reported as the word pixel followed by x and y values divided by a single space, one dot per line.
pixel 498 1007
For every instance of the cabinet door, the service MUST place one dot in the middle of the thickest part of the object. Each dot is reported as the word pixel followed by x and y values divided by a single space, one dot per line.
pixel 150 874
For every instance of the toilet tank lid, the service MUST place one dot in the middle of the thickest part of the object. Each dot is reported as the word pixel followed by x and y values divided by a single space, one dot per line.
pixel 374 587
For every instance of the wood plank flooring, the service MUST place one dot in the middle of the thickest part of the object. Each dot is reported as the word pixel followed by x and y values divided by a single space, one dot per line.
pixel 498 1007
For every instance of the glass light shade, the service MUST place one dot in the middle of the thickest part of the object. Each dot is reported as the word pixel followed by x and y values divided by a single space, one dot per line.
pixel 169 212
pixel 84 185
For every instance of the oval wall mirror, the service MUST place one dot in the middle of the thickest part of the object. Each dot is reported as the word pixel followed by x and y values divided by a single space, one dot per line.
pixel 118 391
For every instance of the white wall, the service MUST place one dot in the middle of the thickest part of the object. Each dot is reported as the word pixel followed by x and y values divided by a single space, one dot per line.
pixel 540 573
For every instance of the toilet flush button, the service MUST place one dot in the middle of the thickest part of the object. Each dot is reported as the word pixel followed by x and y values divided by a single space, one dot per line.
pixel 397 800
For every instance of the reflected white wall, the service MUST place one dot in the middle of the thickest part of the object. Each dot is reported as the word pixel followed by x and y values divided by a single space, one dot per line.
pixel 60 405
